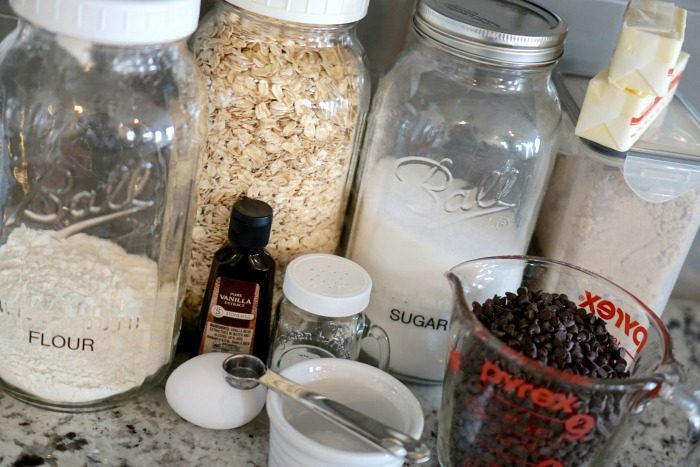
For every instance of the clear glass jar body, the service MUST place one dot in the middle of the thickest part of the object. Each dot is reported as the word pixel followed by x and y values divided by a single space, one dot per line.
pixel 455 161
pixel 300 335
pixel 287 106
pixel 100 149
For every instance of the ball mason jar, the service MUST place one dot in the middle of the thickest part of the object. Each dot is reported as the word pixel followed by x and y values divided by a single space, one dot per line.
pixel 288 97
pixel 458 150
pixel 103 124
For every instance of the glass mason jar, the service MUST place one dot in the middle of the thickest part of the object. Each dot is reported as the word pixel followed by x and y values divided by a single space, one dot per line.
pixel 321 313
pixel 288 95
pixel 457 154
pixel 101 136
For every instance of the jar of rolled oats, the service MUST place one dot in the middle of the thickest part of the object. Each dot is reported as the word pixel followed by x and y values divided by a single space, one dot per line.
pixel 288 95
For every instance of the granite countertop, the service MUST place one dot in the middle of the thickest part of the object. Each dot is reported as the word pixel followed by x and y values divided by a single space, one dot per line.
pixel 146 432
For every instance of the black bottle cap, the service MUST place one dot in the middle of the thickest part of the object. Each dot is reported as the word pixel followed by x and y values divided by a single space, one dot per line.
pixel 251 221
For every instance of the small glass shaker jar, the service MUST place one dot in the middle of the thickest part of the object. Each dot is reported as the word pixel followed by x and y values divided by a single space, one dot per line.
pixel 321 314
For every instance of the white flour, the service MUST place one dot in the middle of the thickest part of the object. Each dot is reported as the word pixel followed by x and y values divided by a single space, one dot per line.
pixel 591 218
pixel 407 255
pixel 78 317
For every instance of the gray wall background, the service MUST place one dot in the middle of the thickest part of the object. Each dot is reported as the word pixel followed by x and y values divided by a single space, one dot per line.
pixel 593 29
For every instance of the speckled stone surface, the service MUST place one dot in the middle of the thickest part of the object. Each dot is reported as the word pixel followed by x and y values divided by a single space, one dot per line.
pixel 146 432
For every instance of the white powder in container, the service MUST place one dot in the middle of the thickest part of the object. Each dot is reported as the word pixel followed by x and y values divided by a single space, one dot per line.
pixel 80 318
pixel 591 218
pixel 407 255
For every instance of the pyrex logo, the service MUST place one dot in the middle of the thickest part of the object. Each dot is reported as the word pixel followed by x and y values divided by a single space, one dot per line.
pixel 576 425
pixel 541 397
pixel 608 311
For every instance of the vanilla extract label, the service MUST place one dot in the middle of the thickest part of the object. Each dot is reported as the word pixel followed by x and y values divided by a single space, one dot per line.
pixel 233 311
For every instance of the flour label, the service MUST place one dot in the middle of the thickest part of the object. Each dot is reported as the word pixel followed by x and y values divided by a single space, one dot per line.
pixel 232 315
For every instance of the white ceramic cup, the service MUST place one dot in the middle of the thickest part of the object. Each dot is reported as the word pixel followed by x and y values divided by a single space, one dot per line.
pixel 301 438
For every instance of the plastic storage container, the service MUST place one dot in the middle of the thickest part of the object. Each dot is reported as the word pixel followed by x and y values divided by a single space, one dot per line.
pixel 103 125
pixel 459 146
pixel 628 216
pixel 689 278
pixel 288 95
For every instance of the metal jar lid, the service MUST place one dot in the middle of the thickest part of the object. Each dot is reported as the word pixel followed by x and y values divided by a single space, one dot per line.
pixel 510 32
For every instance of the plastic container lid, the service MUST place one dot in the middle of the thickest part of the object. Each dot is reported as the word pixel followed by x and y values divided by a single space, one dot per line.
pixel 514 32
pixel 114 22
pixel 664 163
pixel 327 285
pixel 308 11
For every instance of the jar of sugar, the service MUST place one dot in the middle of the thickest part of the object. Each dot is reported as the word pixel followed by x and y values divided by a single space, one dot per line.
pixel 455 161
pixel 103 124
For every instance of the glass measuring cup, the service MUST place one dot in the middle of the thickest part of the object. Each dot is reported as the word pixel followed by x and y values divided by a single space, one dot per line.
pixel 502 408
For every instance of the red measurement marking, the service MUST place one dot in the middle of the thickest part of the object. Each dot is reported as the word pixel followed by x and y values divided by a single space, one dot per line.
pixel 455 364
pixel 634 359
pixel 528 411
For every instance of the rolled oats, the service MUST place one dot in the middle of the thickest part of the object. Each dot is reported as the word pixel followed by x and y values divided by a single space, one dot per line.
pixel 284 113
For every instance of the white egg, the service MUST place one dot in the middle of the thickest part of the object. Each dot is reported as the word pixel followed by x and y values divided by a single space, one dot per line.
pixel 198 392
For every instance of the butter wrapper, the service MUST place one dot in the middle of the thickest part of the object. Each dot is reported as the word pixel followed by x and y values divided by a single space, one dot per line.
pixel 648 48
pixel 616 117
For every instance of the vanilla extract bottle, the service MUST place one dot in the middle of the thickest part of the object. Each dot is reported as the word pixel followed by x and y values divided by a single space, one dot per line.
pixel 236 310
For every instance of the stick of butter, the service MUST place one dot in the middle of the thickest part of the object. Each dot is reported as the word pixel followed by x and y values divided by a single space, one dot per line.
pixel 616 117
pixel 648 48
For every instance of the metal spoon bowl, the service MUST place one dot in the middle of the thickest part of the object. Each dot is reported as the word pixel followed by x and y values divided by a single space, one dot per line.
pixel 247 371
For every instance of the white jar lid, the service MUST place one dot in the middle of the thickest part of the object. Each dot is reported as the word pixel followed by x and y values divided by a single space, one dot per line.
pixel 327 285
pixel 308 11
pixel 113 22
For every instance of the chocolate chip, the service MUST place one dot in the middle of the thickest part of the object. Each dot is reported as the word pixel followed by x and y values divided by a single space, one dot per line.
pixel 550 329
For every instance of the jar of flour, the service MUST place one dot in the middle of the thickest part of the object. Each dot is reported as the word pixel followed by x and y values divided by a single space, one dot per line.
pixel 455 161
pixel 629 216
pixel 103 123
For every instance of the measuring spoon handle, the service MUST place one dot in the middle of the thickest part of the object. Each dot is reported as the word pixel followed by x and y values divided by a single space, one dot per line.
pixel 395 442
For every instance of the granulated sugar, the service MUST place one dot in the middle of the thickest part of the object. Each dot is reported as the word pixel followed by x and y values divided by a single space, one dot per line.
pixel 78 317
pixel 407 256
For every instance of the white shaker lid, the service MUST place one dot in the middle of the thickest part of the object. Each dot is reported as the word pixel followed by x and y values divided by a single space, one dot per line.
pixel 308 11
pixel 114 22
pixel 327 285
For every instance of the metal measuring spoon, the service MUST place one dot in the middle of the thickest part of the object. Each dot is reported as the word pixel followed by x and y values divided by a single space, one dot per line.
pixel 247 371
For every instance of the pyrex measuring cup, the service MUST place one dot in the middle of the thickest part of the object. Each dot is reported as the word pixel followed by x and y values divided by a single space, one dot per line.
pixel 501 408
